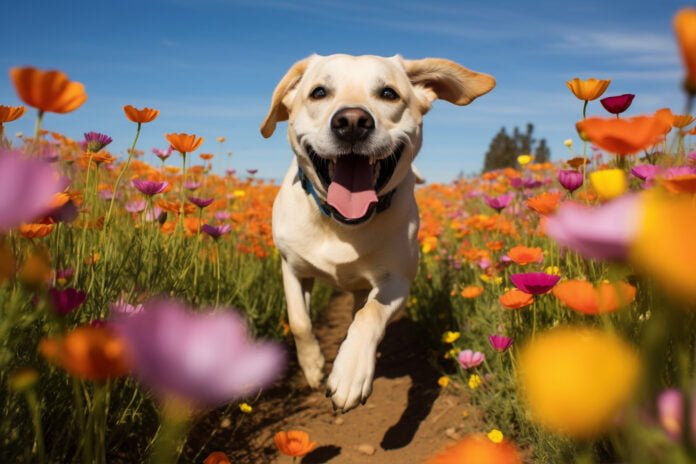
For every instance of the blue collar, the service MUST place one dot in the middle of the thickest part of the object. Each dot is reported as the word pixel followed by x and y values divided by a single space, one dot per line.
pixel 383 202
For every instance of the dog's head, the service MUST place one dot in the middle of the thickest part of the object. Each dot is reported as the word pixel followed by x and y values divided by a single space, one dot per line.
pixel 354 122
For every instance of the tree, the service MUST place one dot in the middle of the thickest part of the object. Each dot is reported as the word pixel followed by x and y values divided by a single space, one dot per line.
pixel 504 149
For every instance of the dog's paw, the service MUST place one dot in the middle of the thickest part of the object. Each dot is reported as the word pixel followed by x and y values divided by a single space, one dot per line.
pixel 312 363
pixel 350 382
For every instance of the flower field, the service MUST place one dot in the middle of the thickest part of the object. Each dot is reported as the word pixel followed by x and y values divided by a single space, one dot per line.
pixel 560 297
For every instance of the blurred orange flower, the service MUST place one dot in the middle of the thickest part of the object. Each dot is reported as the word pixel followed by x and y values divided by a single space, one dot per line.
pixel 184 143
pixel 523 255
pixel 578 161
pixel 140 116
pixel 294 443
pixel 582 296
pixel 35 230
pixel 48 90
pixel 588 89
pixel 206 156
pixel 10 113
pixel 628 135
pixel 516 299
pixel 88 352
pixel 685 30
pixel 544 203
pixel 680 121
pixel 478 449
pixel 471 291
pixel 681 184
pixel 217 457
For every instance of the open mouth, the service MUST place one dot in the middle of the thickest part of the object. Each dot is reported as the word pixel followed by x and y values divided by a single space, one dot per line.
pixel 352 182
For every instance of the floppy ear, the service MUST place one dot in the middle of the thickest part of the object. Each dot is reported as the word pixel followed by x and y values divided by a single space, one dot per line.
pixel 446 80
pixel 278 112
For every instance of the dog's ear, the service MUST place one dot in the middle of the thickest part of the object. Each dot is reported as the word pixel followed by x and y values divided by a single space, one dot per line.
pixel 278 111
pixel 447 80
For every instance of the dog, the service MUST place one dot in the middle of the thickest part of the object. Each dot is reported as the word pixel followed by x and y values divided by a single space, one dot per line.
pixel 346 212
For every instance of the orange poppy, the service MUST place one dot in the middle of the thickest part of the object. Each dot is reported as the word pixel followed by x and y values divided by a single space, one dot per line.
pixel 184 143
pixel 685 30
pixel 35 230
pixel 544 203
pixel 681 184
pixel 88 352
pixel 478 449
pixel 206 156
pixel 140 116
pixel 578 161
pixel 471 291
pixel 175 207
pixel 582 296
pixel 10 113
pixel 588 89
pixel 627 135
pixel 217 457
pixel 294 443
pixel 48 90
pixel 515 299
pixel 680 121
pixel 523 255
pixel 98 158
pixel 36 268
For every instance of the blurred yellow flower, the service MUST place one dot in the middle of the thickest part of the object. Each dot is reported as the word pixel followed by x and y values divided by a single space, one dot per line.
pixel 429 244
pixel 576 379
pixel 609 183
pixel 588 89
pixel 495 280
pixel 443 381
pixel 496 436
pixel 245 408
pixel 239 193
pixel 474 381
pixel 568 143
pixel 524 159
pixel 685 30
pixel 555 270
pixel 450 337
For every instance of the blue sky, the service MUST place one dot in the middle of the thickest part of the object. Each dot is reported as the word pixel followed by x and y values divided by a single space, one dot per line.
pixel 210 66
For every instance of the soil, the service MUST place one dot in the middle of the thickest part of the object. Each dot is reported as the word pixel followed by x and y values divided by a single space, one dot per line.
pixel 407 419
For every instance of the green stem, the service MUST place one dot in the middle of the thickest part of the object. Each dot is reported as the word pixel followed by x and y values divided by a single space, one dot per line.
pixel 35 411
pixel 170 439
pixel 121 174
pixel 37 127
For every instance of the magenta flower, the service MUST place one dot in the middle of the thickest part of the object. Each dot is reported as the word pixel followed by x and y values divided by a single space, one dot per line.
pixel 617 104
pixel 252 171
pixel 95 141
pixel 26 189
pixel 66 301
pixel 192 186
pixel 530 183
pixel 136 206
pixel 201 202
pixel 500 343
pixel 691 157
pixel 205 357
pixel 468 358
pixel 670 409
pixel 230 172
pixel 150 187
pixel 223 215
pixel 645 171
pixel 120 307
pixel 534 283
pixel 570 179
pixel 498 203
pixel 216 231
pixel 603 232
pixel 162 154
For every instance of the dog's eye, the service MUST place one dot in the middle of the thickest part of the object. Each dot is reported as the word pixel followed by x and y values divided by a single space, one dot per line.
pixel 388 93
pixel 318 93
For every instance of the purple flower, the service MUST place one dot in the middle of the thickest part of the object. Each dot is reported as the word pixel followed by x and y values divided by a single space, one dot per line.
pixel 645 171
pixel 617 104
pixel 136 206
pixel 534 283
pixel 570 179
pixel 120 307
pixel 468 358
pixel 107 194
pixel 95 141
pixel 222 215
pixel 201 202
pixel 162 154
pixel 26 189
pixel 531 183
pixel 670 409
pixel 66 301
pixel 498 203
pixel 150 187
pixel 603 232
pixel 691 157
pixel 192 186
pixel 676 171
pixel 203 356
pixel 216 231
pixel 500 343
pixel 252 171
pixel 154 214
pixel 63 275
pixel 517 182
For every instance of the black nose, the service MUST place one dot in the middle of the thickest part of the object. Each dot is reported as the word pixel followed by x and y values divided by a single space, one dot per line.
pixel 352 124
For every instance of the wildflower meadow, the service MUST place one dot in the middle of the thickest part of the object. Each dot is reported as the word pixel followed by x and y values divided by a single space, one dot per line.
pixel 559 298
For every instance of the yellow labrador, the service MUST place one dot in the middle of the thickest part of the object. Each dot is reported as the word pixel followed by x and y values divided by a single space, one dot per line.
pixel 346 211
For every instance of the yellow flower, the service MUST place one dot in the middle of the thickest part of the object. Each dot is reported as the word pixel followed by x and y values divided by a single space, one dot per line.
pixel 588 89
pixel 245 408
pixel 450 337
pixel 22 378
pixel 609 183
pixel 568 143
pixel 555 270
pixel 239 193
pixel 453 353
pixel 474 381
pixel 496 436
pixel 443 381
pixel 497 280
pixel 429 244
pixel 576 379
pixel 524 159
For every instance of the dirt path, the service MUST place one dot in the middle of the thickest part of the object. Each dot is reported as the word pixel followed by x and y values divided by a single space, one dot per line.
pixel 407 418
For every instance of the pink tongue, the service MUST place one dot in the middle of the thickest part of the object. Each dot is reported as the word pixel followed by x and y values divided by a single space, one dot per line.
pixel 351 192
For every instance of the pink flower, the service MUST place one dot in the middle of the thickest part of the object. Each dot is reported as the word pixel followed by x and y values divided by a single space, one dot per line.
pixel 670 409
pixel 498 203
pixel 468 358
pixel 150 187
pixel 570 179
pixel 534 283
pixel 617 104
pixel 500 343
pixel 67 300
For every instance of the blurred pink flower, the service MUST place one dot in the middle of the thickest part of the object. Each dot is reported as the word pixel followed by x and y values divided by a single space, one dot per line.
pixel 534 283
pixel 468 358
pixel 27 187
pixel 570 179
pixel 500 343
pixel 204 357
pixel 498 203
pixel 670 409
pixel 603 232
pixel 645 171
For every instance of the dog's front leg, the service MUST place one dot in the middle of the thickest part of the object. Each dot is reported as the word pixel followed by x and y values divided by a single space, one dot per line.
pixel 297 296
pixel 350 381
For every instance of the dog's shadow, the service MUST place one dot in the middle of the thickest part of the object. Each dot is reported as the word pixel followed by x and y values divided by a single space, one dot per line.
pixel 404 353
